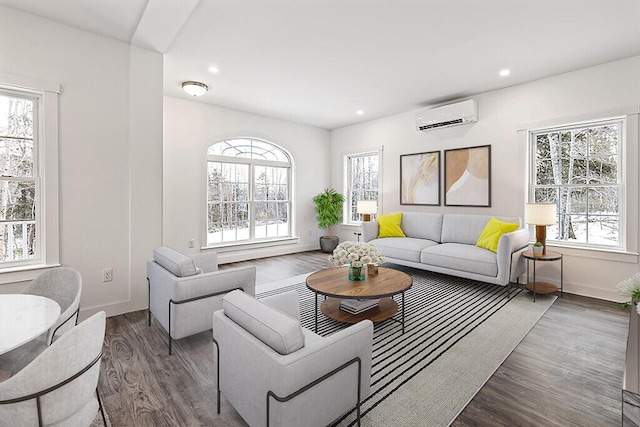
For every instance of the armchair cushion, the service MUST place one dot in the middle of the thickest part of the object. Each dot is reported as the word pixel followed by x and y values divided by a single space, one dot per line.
pixel 180 265
pixel 277 330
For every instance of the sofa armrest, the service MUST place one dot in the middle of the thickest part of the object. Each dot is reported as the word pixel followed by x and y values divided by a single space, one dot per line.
pixel 369 230
pixel 286 302
pixel 207 261
pixel 216 281
pixel 507 245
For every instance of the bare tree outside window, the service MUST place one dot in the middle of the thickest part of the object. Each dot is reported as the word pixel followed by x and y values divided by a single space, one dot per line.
pixel 248 191
pixel 363 181
pixel 577 168
pixel 18 189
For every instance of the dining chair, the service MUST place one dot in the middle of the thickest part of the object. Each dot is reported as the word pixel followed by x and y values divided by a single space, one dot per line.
pixel 59 387
pixel 64 286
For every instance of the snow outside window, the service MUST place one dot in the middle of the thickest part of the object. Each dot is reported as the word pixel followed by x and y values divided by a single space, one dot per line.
pixel 578 167
pixel 363 176
pixel 248 192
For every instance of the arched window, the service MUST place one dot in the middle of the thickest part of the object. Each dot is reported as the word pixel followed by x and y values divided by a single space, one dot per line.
pixel 248 191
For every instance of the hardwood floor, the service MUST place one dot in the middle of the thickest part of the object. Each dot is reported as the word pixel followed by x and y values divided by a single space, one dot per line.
pixel 567 371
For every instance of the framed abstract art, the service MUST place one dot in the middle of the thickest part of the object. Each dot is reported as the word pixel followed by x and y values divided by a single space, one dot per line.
pixel 420 179
pixel 467 176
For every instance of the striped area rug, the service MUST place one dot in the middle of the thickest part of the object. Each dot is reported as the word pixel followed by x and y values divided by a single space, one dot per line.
pixel 440 311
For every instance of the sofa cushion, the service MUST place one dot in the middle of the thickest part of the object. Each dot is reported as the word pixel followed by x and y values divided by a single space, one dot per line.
pixel 422 225
pixel 407 248
pixel 462 257
pixel 390 225
pixel 277 330
pixel 492 231
pixel 177 263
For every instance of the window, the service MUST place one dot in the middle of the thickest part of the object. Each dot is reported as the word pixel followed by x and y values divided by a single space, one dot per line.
pixel 19 183
pixel 363 175
pixel 248 191
pixel 578 167
pixel 29 217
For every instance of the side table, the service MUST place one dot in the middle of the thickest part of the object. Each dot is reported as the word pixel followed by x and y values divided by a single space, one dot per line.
pixel 543 287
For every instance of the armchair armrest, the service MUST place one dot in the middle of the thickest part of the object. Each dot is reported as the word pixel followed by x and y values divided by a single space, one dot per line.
pixel 286 302
pixel 207 261
pixel 322 356
pixel 216 281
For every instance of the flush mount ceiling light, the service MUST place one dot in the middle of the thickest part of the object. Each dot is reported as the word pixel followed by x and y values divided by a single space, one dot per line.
pixel 505 72
pixel 195 88
pixel 359 112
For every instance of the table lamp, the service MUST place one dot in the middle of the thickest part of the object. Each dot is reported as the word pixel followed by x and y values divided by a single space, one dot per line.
pixel 540 215
pixel 366 208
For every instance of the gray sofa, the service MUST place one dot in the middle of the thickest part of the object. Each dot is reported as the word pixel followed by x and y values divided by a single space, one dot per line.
pixel 445 243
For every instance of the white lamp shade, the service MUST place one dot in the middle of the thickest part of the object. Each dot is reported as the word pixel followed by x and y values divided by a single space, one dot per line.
pixel 540 213
pixel 367 206
pixel 195 88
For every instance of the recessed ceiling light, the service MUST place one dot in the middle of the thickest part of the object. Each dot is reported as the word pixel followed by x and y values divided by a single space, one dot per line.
pixel 505 72
pixel 359 112
pixel 214 70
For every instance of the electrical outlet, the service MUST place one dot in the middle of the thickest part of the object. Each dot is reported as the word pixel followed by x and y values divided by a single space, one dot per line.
pixel 192 243
pixel 107 274
pixel 310 232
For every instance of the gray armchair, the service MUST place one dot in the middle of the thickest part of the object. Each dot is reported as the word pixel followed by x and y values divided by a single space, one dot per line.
pixel 185 290
pixel 59 387
pixel 274 372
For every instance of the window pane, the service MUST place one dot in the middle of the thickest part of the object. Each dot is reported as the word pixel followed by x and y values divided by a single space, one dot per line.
pixel 546 195
pixel 16 157
pixel 544 172
pixel 16 117
pixel 604 200
pixel 17 200
pixel 603 230
pixel 604 140
pixel 17 241
pixel 603 170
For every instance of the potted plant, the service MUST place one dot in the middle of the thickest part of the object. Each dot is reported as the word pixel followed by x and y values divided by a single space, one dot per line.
pixel 537 249
pixel 328 213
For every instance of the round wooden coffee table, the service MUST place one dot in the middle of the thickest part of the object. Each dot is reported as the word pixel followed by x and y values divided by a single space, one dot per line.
pixel 334 283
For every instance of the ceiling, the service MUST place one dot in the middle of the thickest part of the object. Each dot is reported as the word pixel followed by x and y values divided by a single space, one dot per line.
pixel 318 62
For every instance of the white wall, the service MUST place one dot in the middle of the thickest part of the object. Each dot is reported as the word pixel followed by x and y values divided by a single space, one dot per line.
pixel 110 151
pixel 190 127
pixel 502 113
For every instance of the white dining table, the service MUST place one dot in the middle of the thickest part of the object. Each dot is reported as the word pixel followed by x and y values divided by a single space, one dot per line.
pixel 23 317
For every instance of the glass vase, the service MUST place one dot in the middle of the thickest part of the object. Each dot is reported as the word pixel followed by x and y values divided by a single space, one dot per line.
pixel 356 273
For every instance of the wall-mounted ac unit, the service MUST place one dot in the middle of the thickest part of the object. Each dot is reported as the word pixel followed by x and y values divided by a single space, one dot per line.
pixel 448 115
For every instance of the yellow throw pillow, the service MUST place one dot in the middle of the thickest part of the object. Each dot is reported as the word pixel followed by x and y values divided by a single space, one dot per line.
pixel 390 225
pixel 492 232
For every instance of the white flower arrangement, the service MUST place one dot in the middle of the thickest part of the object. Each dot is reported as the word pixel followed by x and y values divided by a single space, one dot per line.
pixel 630 288
pixel 356 253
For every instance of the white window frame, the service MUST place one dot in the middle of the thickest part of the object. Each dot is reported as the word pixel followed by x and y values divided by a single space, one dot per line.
pixel 252 163
pixel 46 167
pixel 627 162
pixel 348 184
